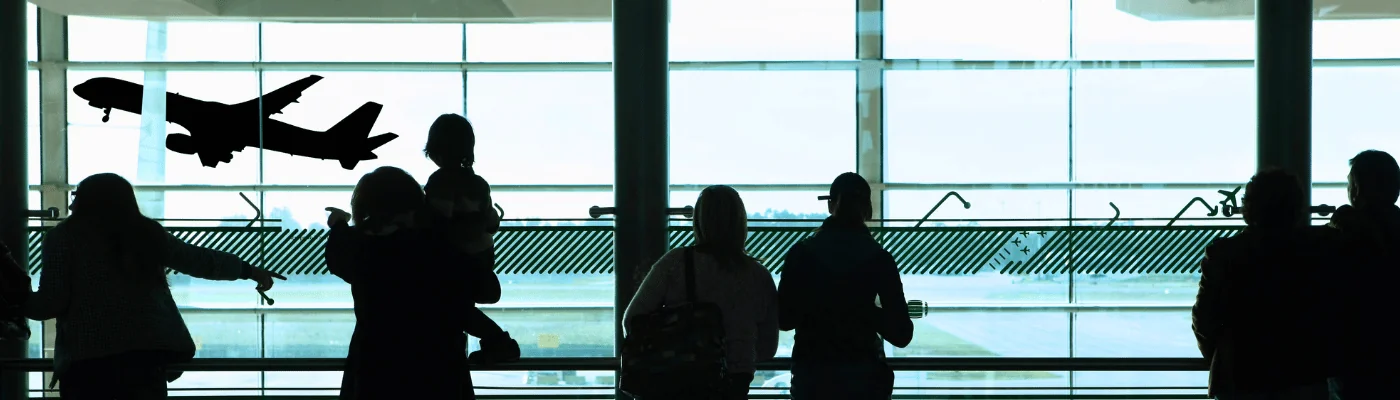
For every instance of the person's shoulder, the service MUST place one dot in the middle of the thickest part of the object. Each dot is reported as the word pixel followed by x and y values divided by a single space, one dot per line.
pixel 1224 246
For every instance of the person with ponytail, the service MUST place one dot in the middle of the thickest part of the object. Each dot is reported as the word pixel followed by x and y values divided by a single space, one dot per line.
pixel 725 275
pixel 103 278
pixel 840 290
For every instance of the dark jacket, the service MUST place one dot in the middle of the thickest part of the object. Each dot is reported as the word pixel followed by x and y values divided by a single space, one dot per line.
pixel 410 305
pixel 828 292
pixel 1365 270
pixel 1258 317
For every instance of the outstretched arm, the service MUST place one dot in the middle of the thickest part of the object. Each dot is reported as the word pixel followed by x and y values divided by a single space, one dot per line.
pixel 204 263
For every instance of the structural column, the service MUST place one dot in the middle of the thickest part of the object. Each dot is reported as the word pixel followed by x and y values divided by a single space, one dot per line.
pixel 870 100
pixel 640 87
pixel 14 185
pixel 1283 65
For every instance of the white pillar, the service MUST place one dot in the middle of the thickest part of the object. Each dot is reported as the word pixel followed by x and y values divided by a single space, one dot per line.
pixel 150 156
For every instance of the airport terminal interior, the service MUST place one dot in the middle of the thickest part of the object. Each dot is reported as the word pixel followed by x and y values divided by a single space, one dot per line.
pixel 1046 173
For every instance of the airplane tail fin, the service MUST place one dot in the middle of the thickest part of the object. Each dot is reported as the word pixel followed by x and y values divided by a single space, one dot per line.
pixel 370 145
pixel 358 124
pixel 355 128
pixel 375 142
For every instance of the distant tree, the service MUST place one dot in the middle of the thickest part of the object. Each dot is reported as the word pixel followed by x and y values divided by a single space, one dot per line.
pixel 755 219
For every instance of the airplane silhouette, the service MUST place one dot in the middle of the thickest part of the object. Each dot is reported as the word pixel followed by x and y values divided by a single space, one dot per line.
pixel 217 129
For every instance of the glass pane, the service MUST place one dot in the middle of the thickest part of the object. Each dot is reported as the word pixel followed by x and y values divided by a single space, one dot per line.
pixel 135 145
pixel 1356 38
pixel 1331 196
pixel 210 207
pixel 109 39
pixel 32 36
pixel 1021 207
pixel 1157 205
pixel 304 210
pixel 541 127
pixel 540 42
pixel 961 333
pixel 1161 30
pixel 309 42
pixel 977 126
pixel 410 100
pixel 977 30
pixel 1160 125
pixel 573 206
pixel 797 127
pixel 768 205
pixel 33 105
pixel 1353 110
pixel 568 315
pixel 1138 334
pixel 762 30
pixel 1130 383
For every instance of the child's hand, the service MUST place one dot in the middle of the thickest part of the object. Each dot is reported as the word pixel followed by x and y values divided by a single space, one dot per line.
pixel 337 216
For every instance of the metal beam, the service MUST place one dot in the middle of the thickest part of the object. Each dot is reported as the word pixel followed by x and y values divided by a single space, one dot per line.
pixel 14 185
pixel 64 187
pixel 640 92
pixel 870 100
pixel 888 65
pixel 53 112
pixel 1284 72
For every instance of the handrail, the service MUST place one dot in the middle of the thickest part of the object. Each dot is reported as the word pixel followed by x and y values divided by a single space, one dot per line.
pixel 611 364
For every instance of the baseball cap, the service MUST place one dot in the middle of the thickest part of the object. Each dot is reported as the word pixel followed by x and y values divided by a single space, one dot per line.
pixel 848 184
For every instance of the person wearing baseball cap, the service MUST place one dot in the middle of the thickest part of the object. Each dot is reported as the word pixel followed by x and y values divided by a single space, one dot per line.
pixel 831 292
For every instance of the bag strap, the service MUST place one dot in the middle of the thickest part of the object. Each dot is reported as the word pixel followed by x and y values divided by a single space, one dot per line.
pixel 690 274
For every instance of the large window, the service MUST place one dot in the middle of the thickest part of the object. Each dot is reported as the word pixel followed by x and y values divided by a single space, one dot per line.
pixel 1351 105
pixel 795 127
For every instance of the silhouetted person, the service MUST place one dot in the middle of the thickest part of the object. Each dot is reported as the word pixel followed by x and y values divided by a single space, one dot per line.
pixel 408 285
pixel 1365 271
pixel 458 214
pixel 830 286
pixel 452 144
pixel 1258 313
pixel 725 275
pixel 14 290
pixel 104 280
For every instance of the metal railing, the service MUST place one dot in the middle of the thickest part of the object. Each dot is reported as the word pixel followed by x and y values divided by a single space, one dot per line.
pixel 610 364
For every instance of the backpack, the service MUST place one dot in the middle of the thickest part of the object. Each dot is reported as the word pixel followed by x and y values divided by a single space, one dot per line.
pixel 677 352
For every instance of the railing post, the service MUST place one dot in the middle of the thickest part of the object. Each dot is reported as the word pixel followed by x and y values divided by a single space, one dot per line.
pixel 14 185
pixel 1283 66
pixel 640 90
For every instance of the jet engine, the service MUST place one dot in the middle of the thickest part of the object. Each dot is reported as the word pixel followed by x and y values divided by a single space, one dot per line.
pixel 181 143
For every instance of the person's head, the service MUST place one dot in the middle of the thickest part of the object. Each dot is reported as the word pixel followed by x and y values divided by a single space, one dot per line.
pixel 849 198
pixel 1273 199
pixel 105 196
pixel 385 197
pixel 106 216
pixel 456 191
pixel 722 224
pixel 451 140
pixel 1374 179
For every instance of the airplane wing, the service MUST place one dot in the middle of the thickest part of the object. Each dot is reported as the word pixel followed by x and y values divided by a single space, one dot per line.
pixel 273 103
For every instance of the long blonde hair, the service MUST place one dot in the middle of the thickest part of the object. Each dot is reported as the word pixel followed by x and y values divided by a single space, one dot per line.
pixel 722 226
